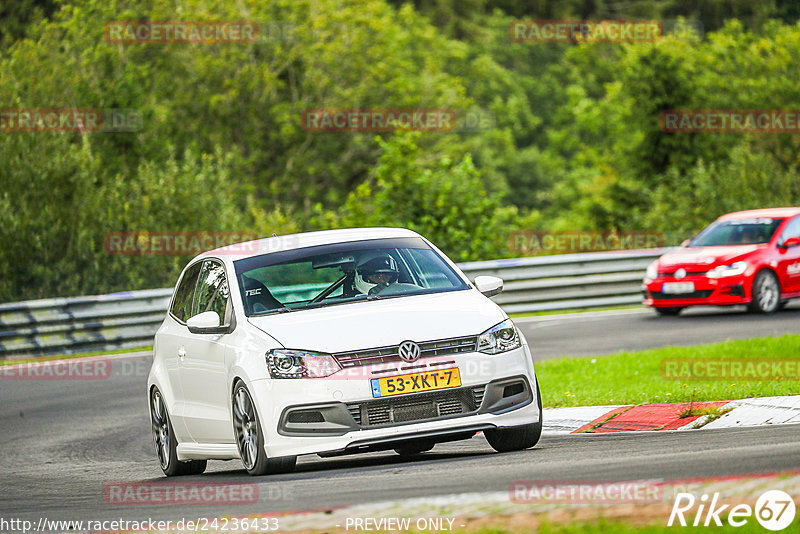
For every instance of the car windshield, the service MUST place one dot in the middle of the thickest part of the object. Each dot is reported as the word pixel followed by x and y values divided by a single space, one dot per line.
pixel 737 232
pixel 325 275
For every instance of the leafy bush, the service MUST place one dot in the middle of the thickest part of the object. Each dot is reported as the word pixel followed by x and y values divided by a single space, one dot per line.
pixel 442 200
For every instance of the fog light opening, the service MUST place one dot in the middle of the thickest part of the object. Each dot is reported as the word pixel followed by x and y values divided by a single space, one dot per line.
pixel 513 389
pixel 309 416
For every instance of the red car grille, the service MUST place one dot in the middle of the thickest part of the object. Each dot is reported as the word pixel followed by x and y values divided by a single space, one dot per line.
pixel 688 273
pixel 658 295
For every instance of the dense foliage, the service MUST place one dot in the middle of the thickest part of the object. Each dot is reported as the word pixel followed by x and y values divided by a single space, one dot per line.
pixel 571 141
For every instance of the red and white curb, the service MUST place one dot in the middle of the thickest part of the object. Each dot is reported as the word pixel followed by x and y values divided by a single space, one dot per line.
pixel 628 417
pixel 760 411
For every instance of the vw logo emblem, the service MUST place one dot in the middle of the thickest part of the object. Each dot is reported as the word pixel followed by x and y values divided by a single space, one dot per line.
pixel 680 273
pixel 408 351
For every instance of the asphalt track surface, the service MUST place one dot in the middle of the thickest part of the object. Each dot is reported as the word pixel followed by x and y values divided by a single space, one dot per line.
pixel 63 441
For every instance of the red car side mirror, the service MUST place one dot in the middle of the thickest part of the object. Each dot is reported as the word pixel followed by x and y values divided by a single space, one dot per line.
pixel 791 242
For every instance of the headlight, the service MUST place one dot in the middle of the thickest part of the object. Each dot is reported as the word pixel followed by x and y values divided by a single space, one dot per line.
pixel 728 270
pixel 652 270
pixel 286 363
pixel 500 338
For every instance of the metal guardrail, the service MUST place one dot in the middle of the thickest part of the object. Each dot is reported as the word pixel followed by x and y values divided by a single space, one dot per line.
pixel 567 282
pixel 129 319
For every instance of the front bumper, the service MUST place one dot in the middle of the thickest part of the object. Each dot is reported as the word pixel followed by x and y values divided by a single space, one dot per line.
pixel 336 415
pixel 726 291
pixel 338 418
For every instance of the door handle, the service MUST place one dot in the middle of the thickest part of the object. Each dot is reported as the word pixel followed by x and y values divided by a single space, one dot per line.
pixel 181 353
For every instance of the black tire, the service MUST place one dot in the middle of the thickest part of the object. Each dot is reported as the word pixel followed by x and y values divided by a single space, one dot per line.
pixel 413 449
pixel 766 293
pixel 669 312
pixel 166 443
pixel 520 437
pixel 246 423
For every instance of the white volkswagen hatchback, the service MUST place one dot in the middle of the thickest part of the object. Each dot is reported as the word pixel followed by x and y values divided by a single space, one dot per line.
pixel 334 342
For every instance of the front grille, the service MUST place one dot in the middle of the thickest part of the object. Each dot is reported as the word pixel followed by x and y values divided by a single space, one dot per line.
pixel 670 296
pixel 477 394
pixel 417 408
pixel 449 407
pixel 355 411
pixel 442 347
pixel 379 415
pixel 688 273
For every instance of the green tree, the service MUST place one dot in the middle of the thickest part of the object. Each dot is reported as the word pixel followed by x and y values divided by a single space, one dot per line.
pixel 441 199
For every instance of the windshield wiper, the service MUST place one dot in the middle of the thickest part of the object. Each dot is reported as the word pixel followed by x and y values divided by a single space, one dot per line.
pixel 275 310
pixel 325 304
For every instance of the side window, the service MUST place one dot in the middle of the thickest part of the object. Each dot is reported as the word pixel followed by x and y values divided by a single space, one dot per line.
pixel 212 290
pixel 792 229
pixel 182 303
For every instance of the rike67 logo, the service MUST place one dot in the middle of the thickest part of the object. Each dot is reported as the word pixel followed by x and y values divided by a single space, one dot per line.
pixel 774 510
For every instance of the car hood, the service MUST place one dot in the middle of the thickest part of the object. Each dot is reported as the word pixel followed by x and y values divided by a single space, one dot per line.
pixel 380 323
pixel 704 258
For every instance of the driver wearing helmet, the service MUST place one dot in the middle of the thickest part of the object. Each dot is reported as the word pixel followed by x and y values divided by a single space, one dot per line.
pixel 375 271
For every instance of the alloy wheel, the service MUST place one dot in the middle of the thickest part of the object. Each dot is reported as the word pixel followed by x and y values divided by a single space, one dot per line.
pixel 244 421
pixel 158 417
pixel 768 293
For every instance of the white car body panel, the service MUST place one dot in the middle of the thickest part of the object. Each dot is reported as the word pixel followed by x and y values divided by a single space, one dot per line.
pixel 197 387
pixel 363 325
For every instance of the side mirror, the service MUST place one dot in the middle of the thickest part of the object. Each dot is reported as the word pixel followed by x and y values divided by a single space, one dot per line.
pixel 489 285
pixel 791 242
pixel 686 243
pixel 206 323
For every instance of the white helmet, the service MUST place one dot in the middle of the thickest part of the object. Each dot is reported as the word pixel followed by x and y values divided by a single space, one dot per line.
pixel 374 271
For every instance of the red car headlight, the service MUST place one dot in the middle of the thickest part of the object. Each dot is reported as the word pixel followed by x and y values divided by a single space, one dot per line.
pixel 733 269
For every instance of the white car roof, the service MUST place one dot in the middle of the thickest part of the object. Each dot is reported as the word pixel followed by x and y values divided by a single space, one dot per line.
pixel 267 245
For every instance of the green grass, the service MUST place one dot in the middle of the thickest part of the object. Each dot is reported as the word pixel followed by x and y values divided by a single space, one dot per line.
pixel 79 355
pixel 636 377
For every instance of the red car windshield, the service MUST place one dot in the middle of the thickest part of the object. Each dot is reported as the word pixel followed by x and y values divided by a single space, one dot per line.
pixel 737 232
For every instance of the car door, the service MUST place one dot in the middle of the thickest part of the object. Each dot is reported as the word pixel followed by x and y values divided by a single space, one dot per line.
pixel 170 339
pixel 789 259
pixel 203 366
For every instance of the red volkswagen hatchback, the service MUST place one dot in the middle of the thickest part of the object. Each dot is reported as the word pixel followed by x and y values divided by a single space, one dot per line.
pixel 748 257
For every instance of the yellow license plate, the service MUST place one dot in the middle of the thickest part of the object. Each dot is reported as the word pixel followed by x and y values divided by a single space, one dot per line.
pixel 415 382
